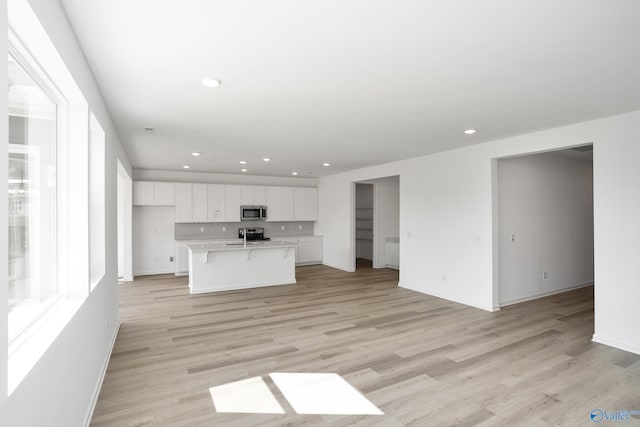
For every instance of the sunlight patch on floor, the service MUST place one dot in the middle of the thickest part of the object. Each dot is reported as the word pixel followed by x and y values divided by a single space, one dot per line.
pixel 307 393
pixel 311 393
pixel 246 396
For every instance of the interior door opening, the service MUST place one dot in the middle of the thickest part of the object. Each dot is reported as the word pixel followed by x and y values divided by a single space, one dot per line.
pixel 545 224
pixel 377 223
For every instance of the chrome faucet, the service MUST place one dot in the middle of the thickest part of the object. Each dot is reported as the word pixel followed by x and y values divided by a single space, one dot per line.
pixel 244 235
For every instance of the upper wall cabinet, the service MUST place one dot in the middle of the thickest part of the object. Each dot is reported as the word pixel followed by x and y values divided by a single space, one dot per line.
pixel 305 204
pixel 147 193
pixel 200 203
pixel 216 200
pixel 221 202
pixel 184 203
pixel 252 195
pixel 279 203
pixel 232 203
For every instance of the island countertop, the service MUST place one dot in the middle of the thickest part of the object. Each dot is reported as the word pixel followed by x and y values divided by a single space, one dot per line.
pixel 235 246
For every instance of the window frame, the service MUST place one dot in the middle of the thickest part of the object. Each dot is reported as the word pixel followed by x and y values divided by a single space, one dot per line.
pixel 25 59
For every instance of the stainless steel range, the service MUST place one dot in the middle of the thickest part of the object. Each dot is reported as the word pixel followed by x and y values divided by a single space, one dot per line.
pixel 253 234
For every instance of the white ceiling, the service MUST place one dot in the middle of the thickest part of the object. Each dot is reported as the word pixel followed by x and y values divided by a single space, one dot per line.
pixel 351 82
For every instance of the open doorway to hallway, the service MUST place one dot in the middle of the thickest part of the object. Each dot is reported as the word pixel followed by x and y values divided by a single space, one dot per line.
pixel 377 223
pixel 545 224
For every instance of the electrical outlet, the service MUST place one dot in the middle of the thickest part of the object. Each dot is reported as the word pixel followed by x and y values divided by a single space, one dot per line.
pixel 300 227
pixel 282 228
pixel 224 229
pixel 202 229
pixel 544 275
pixel 170 259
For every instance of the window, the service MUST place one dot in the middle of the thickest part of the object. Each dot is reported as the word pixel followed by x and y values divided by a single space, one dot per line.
pixel 32 197
pixel 48 193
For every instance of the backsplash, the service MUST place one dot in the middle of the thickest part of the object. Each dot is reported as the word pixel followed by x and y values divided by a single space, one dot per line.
pixel 214 230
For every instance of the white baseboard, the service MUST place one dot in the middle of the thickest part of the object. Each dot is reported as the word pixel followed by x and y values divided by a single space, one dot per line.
pixel 181 274
pixel 617 344
pixel 544 294
pixel 153 273
pixel 448 297
pixel 96 392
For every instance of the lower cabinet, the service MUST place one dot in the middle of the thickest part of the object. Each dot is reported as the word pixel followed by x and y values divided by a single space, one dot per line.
pixel 309 251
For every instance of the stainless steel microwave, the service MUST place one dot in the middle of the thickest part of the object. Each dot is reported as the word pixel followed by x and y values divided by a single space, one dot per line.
pixel 253 213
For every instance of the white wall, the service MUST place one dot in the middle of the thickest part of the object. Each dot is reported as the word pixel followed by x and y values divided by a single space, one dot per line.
pixel 387 215
pixel 545 225
pixel 153 239
pixel 61 387
pixel 446 219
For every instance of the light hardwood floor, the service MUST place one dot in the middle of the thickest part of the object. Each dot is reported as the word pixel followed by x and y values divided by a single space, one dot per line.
pixel 423 361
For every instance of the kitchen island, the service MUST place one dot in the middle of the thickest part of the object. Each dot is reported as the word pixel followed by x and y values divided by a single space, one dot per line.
pixel 215 267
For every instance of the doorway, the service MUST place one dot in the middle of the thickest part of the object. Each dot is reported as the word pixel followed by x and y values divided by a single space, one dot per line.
pixel 544 224
pixel 377 223
pixel 364 225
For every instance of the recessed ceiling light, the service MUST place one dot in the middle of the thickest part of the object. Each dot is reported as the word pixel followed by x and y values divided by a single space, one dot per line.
pixel 243 170
pixel 266 159
pixel 195 154
pixel 470 131
pixel 294 173
pixel 211 82
pixel 243 162
pixel 326 164
pixel 186 167
pixel 150 130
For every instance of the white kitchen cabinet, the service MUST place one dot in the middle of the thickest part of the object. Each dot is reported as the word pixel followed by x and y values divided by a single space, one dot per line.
pixel 200 203
pixel 273 203
pixel 309 251
pixel 305 204
pixel 216 205
pixel 252 195
pixel 286 203
pixel 184 202
pixel 149 193
pixel 259 195
pixel 315 250
pixel 246 195
pixel 163 194
pixel 143 193
pixel 279 202
pixel 232 203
